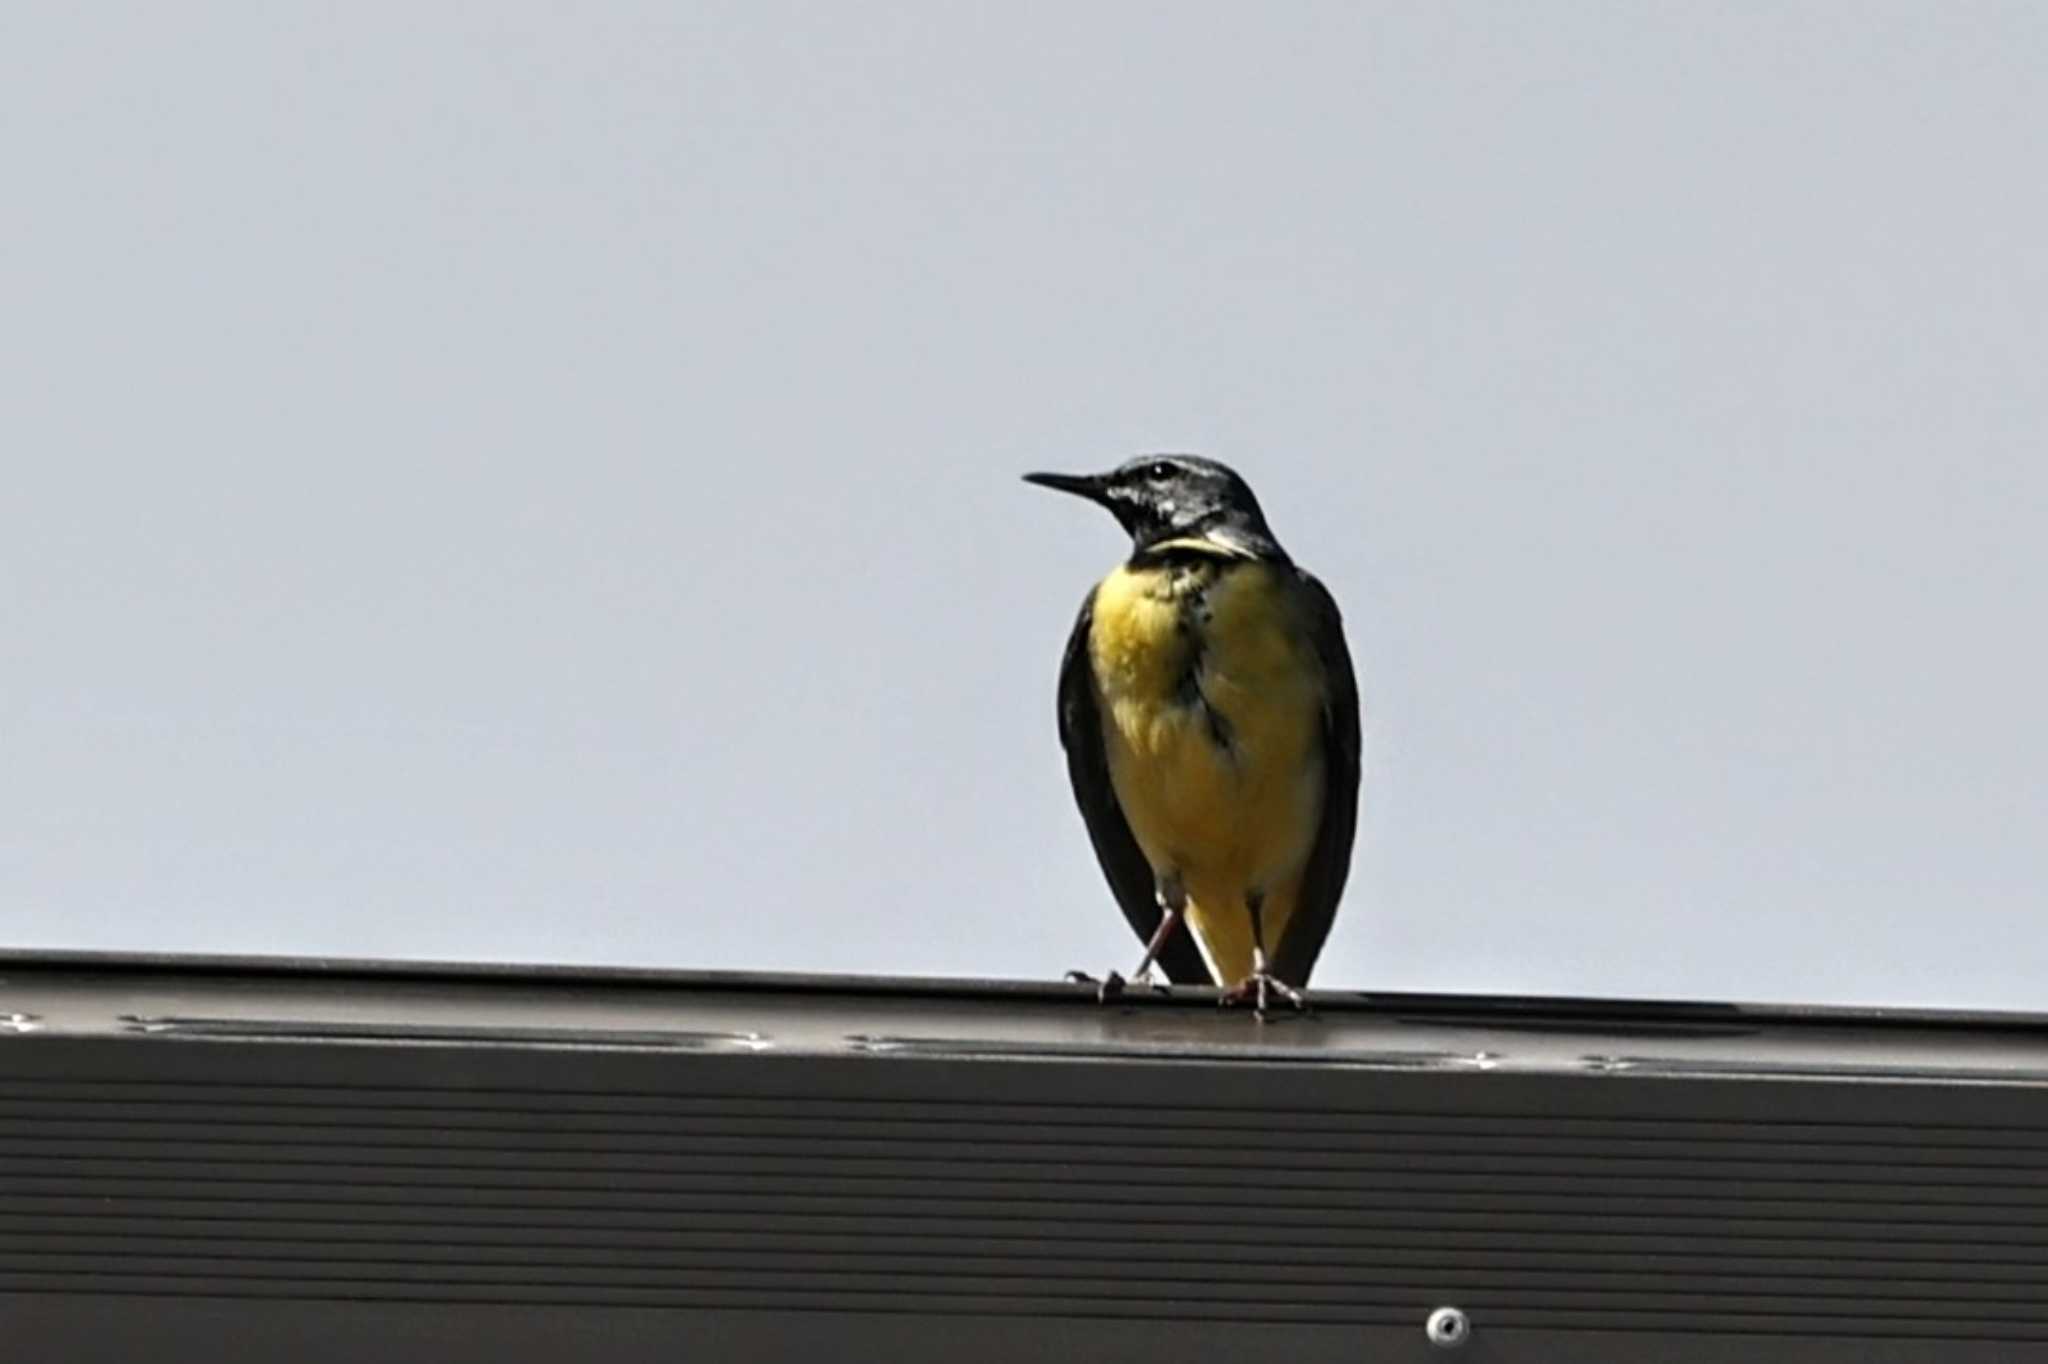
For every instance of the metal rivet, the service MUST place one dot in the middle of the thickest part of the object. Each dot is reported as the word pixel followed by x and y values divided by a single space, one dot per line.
pixel 1447 1328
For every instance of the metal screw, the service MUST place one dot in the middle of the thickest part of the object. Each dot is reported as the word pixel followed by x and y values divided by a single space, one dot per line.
pixel 1447 1328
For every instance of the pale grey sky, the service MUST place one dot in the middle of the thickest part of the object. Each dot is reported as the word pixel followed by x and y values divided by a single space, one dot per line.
pixel 520 481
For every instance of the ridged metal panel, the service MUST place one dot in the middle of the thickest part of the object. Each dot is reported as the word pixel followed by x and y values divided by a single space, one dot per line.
pixel 1198 1197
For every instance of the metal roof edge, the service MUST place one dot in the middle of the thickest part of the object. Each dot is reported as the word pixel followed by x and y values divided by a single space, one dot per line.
pixel 1531 1009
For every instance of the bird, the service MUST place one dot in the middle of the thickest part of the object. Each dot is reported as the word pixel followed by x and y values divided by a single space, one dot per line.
pixel 1210 716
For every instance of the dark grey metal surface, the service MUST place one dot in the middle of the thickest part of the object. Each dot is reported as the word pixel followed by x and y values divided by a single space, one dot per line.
pixel 321 1161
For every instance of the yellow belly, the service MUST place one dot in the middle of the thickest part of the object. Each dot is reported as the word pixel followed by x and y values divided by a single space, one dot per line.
pixel 1221 781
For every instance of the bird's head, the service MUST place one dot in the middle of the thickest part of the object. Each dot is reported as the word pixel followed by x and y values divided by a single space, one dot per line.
pixel 1175 497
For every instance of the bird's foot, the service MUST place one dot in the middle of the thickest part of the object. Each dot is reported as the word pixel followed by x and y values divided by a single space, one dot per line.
pixel 1106 989
pixel 1112 984
pixel 1258 989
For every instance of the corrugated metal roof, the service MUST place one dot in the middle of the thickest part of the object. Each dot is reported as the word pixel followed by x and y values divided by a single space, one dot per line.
pixel 351 1157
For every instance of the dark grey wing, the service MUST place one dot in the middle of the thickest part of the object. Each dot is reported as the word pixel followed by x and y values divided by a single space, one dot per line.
pixel 1329 860
pixel 1130 875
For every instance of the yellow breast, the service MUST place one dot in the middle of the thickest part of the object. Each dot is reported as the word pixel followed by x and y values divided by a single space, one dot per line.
pixel 1212 698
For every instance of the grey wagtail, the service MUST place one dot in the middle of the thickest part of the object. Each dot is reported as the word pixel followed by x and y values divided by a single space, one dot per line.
pixel 1210 717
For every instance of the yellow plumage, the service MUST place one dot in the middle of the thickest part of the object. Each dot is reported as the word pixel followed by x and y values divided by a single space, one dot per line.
pixel 1211 703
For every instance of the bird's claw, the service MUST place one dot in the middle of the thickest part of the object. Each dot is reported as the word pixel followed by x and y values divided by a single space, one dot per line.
pixel 1257 989
pixel 1106 989
pixel 1112 985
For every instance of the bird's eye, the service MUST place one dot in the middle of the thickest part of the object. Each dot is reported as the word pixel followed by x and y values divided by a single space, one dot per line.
pixel 1160 471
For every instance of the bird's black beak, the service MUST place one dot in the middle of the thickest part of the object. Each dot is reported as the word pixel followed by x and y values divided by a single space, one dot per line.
pixel 1094 487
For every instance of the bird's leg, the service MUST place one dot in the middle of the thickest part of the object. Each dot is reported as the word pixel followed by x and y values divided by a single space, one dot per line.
pixel 1261 982
pixel 1173 902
